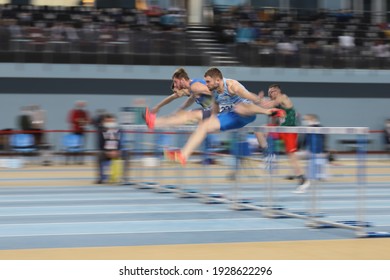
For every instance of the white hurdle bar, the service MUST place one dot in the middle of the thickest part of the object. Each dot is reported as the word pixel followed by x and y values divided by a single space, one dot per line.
pixel 265 129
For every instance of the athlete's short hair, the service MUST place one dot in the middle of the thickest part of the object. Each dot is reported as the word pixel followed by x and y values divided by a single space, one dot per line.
pixel 180 73
pixel 213 72
pixel 275 86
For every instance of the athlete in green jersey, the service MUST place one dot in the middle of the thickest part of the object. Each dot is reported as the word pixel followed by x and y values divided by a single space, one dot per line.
pixel 277 99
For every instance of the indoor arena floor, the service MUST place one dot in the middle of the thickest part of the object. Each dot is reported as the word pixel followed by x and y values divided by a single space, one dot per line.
pixel 57 212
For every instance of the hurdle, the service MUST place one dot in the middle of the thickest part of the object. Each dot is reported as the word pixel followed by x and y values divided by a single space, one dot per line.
pixel 315 219
pixel 270 209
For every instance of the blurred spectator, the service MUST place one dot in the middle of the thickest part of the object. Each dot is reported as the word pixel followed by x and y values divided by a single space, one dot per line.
pixel 266 46
pixel 98 118
pixel 106 36
pixel 111 148
pixel 287 53
pixel 318 30
pixel 89 34
pixel 346 43
pixel 15 29
pixel 38 121
pixel 24 119
pixel 344 15
pixel 78 119
pixel 97 122
pixel 387 31
pixel 381 53
pixel 286 47
pixel 387 135
pixel 37 36
pixel 245 36
pixel 315 54
pixel 57 32
pixel 245 33
pixel 71 33
pixel 4 139
pixel 5 36
pixel 141 20
pixel 248 12
pixel 266 15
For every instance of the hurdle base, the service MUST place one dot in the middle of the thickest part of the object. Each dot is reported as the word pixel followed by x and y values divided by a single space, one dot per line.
pixel 273 214
pixel 310 215
pixel 188 193
pixel 166 189
pixel 241 205
pixel 319 225
pixel 128 184
pixel 214 198
pixel 147 185
pixel 374 234
pixel 272 207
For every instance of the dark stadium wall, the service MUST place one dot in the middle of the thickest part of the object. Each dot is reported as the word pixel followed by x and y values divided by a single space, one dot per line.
pixel 20 2
pixel 115 4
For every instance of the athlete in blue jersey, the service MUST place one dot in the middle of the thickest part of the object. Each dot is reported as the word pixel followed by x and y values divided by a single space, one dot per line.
pixel 228 95
pixel 182 85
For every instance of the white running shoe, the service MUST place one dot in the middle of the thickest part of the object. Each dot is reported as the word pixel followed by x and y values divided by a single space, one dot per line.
pixel 303 185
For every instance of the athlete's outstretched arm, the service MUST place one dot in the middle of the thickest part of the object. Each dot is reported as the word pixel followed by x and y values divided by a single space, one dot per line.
pixel 265 102
pixel 215 108
pixel 187 103
pixel 166 101
pixel 240 90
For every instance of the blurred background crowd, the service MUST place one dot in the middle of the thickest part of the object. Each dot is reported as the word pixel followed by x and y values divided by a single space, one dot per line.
pixel 248 33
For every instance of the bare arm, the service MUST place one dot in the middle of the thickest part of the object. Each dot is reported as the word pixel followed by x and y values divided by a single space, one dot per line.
pixel 164 102
pixel 282 100
pixel 199 88
pixel 285 101
pixel 236 88
pixel 266 102
pixel 215 108
pixel 190 100
pixel 245 108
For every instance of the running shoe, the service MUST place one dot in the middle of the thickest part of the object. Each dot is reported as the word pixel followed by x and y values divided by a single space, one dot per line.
pixel 169 154
pixel 290 177
pixel 303 185
pixel 176 156
pixel 149 118
pixel 180 158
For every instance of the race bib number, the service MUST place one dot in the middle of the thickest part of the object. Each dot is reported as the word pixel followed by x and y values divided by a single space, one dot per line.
pixel 226 108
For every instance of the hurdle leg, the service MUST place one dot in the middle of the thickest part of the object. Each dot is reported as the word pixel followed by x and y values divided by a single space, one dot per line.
pixel 269 211
pixel 237 203
pixel 361 181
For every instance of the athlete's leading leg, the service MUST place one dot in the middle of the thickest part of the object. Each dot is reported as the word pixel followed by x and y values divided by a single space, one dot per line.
pixel 249 109
pixel 211 124
pixel 180 118
pixel 261 139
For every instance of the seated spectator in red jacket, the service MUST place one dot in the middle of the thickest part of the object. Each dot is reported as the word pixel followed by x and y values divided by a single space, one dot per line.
pixel 79 118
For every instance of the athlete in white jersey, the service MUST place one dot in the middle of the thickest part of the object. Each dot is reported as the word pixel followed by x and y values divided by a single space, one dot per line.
pixel 228 96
